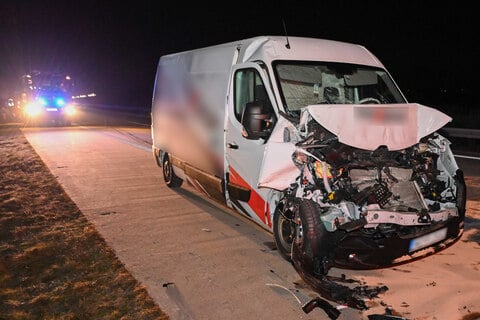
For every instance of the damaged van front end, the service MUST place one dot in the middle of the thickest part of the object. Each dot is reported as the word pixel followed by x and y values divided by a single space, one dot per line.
pixel 370 186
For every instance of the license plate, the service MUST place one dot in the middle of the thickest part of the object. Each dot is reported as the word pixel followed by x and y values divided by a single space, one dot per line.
pixel 428 239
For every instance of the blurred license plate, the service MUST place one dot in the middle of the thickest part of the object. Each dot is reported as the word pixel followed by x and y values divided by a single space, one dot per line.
pixel 428 239
pixel 52 109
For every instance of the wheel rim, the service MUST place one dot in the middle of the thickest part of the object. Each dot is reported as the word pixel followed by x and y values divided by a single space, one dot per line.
pixel 286 232
pixel 299 233
pixel 167 170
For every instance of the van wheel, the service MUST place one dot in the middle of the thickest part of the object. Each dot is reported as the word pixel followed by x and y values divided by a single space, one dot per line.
pixel 171 179
pixel 284 231
pixel 311 238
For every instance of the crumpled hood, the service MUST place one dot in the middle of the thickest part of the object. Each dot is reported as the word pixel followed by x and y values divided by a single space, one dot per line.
pixel 368 126
pixel 398 126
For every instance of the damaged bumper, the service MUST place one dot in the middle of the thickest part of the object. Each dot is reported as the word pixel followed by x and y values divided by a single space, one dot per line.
pixel 360 250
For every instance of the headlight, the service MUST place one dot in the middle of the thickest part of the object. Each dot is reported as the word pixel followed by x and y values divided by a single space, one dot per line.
pixel 33 109
pixel 43 101
pixel 70 110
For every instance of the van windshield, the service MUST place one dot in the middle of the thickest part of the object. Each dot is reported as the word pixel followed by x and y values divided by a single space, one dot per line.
pixel 307 83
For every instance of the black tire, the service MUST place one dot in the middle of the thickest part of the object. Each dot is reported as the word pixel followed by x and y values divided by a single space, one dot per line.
pixel 169 176
pixel 283 231
pixel 313 240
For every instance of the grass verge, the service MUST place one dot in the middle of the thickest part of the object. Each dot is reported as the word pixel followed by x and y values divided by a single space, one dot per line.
pixel 53 263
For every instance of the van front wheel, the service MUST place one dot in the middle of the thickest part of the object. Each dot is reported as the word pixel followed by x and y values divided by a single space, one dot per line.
pixel 171 179
pixel 283 231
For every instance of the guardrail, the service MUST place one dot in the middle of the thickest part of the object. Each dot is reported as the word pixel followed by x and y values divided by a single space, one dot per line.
pixel 463 133
pixel 465 142
pixel 114 114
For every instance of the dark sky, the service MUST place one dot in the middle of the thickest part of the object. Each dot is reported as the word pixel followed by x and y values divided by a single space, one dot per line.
pixel 113 48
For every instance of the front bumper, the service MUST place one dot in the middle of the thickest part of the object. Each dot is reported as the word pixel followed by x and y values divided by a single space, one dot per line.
pixel 358 250
pixel 51 114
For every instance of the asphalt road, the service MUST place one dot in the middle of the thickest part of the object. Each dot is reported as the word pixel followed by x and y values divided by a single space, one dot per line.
pixel 198 261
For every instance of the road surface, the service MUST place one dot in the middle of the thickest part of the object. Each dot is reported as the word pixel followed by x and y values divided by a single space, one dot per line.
pixel 199 261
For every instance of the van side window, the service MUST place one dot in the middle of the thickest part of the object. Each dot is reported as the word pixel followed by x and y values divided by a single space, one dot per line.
pixel 249 87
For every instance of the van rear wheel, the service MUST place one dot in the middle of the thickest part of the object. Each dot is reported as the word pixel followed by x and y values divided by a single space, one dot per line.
pixel 171 179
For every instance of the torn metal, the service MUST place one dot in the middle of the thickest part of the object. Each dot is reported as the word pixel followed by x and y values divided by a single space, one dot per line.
pixel 365 187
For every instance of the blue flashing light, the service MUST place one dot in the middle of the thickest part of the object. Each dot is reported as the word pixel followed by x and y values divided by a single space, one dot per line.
pixel 59 102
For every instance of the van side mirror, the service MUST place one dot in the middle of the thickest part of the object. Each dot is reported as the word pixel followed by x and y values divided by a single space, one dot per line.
pixel 256 121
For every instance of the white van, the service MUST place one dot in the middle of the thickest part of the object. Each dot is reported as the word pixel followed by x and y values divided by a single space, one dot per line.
pixel 313 140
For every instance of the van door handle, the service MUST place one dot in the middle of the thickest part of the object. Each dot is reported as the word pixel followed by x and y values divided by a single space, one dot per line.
pixel 232 145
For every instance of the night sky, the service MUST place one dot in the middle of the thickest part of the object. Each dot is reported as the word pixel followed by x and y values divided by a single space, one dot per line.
pixel 430 48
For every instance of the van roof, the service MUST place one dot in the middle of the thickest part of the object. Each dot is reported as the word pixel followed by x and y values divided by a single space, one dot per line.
pixel 270 48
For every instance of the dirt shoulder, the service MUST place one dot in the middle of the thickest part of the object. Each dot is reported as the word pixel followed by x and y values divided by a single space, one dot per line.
pixel 53 263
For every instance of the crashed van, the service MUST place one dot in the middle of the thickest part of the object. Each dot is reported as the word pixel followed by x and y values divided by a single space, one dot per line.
pixel 313 140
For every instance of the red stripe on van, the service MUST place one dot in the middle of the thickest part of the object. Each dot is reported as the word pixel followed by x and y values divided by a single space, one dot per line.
pixel 256 202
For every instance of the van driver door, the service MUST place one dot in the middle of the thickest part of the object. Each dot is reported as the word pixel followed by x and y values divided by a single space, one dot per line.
pixel 244 155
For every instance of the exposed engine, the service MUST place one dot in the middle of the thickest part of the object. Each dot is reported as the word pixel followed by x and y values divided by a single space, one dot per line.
pixel 359 208
pixel 414 186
